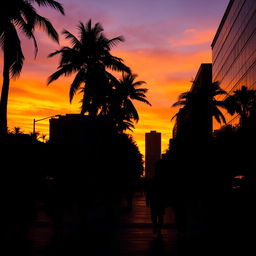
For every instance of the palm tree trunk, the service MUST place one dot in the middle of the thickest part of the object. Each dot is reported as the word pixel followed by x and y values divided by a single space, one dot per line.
pixel 4 97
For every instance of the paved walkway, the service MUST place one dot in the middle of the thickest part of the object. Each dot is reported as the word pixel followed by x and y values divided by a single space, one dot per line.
pixel 136 234
pixel 40 233
pixel 136 238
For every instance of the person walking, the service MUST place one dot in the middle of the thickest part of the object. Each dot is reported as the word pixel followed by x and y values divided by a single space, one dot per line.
pixel 155 200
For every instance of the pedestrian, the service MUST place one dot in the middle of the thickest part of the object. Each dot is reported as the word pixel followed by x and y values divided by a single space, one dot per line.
pixel 155 200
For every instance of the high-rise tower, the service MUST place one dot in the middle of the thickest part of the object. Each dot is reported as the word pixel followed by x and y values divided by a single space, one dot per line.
pixel 153 152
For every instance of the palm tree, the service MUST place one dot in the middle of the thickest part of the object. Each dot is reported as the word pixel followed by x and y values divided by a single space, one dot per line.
pixel 120 107
pixel 89 58
pixel 35 135
pixel 17 131
pixel 185 99
pixel 204 100
pixel 198 107
pixel 241 102
pixel 19 16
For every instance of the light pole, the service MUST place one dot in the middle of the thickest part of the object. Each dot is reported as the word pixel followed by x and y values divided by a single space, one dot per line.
pixel 34 122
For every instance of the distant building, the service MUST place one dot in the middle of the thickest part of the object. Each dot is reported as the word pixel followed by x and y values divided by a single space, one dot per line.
pixel 196 124
pixel 152 151
pixel 78 129
pixel 234 47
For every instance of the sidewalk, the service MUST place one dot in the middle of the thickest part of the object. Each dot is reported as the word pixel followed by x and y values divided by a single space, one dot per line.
pixel 136 233
pixel 136 236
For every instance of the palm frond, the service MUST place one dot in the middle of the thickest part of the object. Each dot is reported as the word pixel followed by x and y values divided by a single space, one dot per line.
pixel 66 70
pixel 54 53
pixel 179 103
pixel 27 29
pixel 131 110
pixel 73 39
pixel 141 90
pixel 115 41
pixel 124 125
pixel 219 116
pixel 78 80
pixel 185 95
pixel 139 83
pixel 142 99
pixel 116 64
pixel 61 51
pixel 47 27
pixel 97 29
pixel 17 65
pixel 51 3
pixel 113 80
pixel 219 103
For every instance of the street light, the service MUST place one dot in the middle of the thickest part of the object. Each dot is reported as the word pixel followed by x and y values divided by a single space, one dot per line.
pixel 34 122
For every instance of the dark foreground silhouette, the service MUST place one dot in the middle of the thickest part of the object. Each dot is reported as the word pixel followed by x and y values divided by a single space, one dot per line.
pixel 73 197
pixel 78 188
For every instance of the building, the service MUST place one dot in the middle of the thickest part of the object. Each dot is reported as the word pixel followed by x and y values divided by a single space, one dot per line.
pixel 200 87
pixel 234 48
pixel 194 122
pixel 79 129
pixel 152 152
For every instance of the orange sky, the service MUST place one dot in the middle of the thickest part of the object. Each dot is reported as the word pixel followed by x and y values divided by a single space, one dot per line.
pixel 167 65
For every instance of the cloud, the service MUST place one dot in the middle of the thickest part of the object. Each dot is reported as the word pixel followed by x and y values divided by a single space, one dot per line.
pixel 192 37
pixel 167 73
pixel 165 44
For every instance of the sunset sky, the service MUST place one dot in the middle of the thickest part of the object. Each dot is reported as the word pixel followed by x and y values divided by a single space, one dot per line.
pixel 165 43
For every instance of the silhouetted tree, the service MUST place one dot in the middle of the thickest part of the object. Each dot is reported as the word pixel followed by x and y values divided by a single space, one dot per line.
pixel 242 102
pixel 130 165
pixel 19 16
pixel 120 107
pixel 89 58
pixel 35 135
pixel 193 102
pixel 17 131
pixel 194 120
pixel 189 156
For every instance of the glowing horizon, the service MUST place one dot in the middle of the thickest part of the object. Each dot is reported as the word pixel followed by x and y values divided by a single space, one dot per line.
pixel 165 44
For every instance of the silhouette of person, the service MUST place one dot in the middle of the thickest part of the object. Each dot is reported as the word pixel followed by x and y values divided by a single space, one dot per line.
pixel 155 200
pixel 129 191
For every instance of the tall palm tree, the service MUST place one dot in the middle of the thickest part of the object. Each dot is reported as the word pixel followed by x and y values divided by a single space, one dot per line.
pixel 241 102
pixel 203 100
pixel 120 105
pixel 89 58
pixel 19 16
pixel 194 120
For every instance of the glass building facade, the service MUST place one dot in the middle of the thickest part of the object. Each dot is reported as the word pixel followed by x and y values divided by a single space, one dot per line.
pixel 234 47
